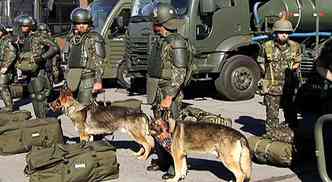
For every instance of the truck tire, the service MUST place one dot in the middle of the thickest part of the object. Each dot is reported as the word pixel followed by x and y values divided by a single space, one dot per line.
pixel 123 78
pixel 238 78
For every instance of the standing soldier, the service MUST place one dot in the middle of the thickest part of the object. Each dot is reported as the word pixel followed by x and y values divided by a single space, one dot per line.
pixel 84 54
pixel 35 49
pixel 167 70
pixel 279 59
pixel 52 66
pixel 7 58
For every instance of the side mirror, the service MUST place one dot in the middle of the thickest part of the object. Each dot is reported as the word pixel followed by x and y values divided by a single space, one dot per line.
pixel 207 7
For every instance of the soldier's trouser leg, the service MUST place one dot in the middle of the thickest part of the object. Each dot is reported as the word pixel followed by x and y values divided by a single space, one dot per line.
pixel 85 95
pixel 5 93
pixel 39 89
pixel 272 111
pixel 289 109
pixel 177 105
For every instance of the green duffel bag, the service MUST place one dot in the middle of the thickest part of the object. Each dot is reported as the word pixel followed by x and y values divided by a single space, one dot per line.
pixel 129 103
pixel 198 115
pixel 271 152
pixel 16 116
pixel 91 162
pixel 20 136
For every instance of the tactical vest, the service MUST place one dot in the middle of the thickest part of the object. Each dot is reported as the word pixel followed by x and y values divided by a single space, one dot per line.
pixel 154 60
pixel 269 50
pixel 158 66
pixel 82 53
pixel 75 57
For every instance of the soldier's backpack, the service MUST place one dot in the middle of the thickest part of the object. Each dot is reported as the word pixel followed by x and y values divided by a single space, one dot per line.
pixel 271 152
pixel 199 115
pixel 91 162
pixel 18 136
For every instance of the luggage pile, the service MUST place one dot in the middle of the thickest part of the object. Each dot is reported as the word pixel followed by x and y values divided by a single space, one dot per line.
pixel 276 147
pixel 49 159
pixel 198 115
pixel 18 133
pixel 91 162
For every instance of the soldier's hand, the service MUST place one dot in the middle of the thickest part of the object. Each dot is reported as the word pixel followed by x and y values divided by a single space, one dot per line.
pixel 166 102
pixel 97 87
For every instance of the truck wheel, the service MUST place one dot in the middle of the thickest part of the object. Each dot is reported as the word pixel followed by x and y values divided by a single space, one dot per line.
pixel 238 78
pixel 123 78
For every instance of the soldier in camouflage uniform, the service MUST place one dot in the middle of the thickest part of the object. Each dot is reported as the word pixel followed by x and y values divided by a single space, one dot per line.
pixel 7 58
pixel 84 54
pixel 35 49
pixel 52 66
pixel 167 70
pixel 279 59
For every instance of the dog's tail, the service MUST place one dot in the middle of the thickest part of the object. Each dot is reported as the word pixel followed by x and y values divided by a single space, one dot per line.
pixel 245 159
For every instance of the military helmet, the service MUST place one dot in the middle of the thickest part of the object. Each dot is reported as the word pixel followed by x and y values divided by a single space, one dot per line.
pixel 3 28
pixel 25 20
pixel 282 25
pixel 80 15
pixel 165 15
pixel 43 27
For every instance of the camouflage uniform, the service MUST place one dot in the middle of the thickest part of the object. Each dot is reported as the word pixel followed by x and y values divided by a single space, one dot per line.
pixel 278 61
pixel 171 79
pixel 7 58
pixel 35 49
pixel 84 54
pixel 167 73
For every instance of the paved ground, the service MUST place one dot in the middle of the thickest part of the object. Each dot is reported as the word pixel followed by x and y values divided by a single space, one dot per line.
pixel 247 116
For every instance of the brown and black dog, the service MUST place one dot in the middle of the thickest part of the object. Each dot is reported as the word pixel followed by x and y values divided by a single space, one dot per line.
pixel 98 119
pixel 230 146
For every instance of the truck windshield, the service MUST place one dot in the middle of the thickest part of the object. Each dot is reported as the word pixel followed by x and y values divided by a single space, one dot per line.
pixel 100 9
pixel 145 7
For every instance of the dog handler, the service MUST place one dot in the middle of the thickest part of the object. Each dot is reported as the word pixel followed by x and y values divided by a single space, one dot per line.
pixel 84 54
pixel 167 69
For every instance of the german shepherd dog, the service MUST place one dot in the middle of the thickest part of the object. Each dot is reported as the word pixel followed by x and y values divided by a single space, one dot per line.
pixel 98 119
pixel 230 146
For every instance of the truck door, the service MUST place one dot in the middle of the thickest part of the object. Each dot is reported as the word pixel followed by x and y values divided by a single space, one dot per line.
pixel 114 35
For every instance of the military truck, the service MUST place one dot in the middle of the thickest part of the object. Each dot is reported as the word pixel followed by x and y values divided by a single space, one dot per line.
pixel 226 36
